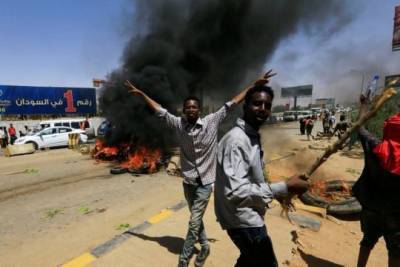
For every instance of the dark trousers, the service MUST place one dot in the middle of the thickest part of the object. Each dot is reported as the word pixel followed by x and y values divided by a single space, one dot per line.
pixel 4 143
pixel 377 224
pixel 12 139
pixel 302 128
pixel 255 247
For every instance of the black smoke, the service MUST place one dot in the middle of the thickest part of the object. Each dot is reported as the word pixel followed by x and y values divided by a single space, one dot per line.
pixel 185 47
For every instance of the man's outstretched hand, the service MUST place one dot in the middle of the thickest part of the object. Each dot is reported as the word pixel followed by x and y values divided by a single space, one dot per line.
pixel 264 79
pixel 297 184
pixel 133 89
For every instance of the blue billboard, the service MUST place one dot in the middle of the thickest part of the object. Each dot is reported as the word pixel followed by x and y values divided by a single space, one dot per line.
pixel 46 100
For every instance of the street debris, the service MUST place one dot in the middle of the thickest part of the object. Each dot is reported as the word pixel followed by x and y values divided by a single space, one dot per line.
pixel 290 154
pixel 29 171
pixel 122 226
pixel 174 166
pixel 51 213
pixel 353 171
pixel 100 210
pixel 316 210
pixel 333 219
pixel 22 149
pixel 84 149
pixel 305 222
pixel 84 210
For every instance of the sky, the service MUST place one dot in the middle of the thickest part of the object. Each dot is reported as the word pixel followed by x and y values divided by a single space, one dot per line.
pixel 68 43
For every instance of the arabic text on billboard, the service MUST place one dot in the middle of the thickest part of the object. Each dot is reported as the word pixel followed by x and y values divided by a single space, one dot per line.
pixel 396 29
pixel 299 91
pixel 46 100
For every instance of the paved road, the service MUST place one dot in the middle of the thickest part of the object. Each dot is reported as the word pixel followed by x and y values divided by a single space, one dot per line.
pixel 57 205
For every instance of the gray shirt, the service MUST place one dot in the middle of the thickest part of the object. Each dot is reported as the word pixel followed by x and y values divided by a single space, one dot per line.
pixel 241 192
pixel 198 143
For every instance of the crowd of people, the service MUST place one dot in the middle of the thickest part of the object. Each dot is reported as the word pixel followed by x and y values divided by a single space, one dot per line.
pixel 329 126
pixel 9 135
pixel 376 189
pixel 306 126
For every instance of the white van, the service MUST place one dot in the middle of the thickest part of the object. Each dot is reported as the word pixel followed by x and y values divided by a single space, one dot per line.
pixel 290 115
pixel 72 123
pixel 304 114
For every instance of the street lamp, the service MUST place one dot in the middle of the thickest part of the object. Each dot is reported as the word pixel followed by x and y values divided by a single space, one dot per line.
pixel 98 82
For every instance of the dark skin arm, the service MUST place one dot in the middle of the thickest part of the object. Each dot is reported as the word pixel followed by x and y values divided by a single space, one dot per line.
pixel 368 141
pixel 263 80
pixel 152 104
pixel 297 184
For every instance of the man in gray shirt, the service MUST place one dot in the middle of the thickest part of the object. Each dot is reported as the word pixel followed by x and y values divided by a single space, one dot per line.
pixel 198 145
pixel 241 191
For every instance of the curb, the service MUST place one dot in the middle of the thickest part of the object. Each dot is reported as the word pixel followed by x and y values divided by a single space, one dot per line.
pixel 88 257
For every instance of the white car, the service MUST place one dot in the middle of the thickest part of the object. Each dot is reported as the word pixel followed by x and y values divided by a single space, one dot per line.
pixel 51 137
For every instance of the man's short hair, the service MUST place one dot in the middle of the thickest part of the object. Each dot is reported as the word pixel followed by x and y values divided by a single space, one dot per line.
pixel 191 98
pixel 256 89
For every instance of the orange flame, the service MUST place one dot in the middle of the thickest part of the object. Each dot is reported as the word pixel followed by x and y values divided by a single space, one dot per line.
pixel 143 157
pixel 320 188
pixel 102 149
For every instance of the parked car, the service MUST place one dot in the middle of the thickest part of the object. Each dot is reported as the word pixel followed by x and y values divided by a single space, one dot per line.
pixel 51 137
pixel 104 129
pixel 72 123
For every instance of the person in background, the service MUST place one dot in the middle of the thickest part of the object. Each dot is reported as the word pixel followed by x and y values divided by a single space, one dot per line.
pixel 2 137
pixel 5 139
pixel 302 122
pixel 309 127
pixel 325 122
pixel 27 130
pixel 82 124
pixel 332 121
pixel 12 134
pixel 342 126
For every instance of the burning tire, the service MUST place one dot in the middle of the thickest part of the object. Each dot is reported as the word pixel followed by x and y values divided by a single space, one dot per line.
pixel 347 208
pixel 313 200
pixel 347 205
pixel 118 170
